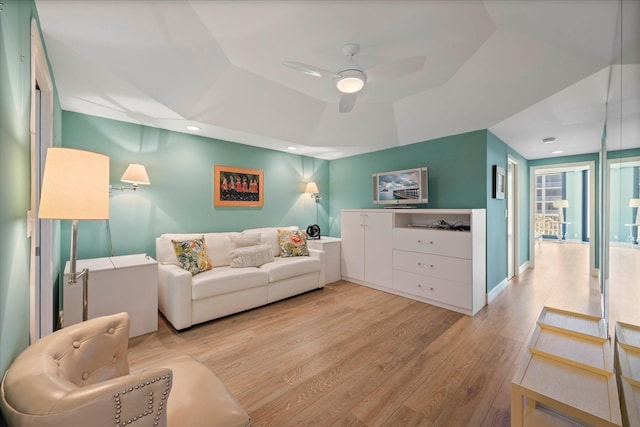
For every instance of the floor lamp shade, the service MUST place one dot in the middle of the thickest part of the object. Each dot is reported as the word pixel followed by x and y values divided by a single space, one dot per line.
pixel 560 205
pixel 635 203
pixel 75 185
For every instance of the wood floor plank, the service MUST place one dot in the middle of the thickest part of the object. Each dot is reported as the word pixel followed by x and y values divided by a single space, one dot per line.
pixel 339 366
pixel 475 395
pixel 348 355
pixel 407 417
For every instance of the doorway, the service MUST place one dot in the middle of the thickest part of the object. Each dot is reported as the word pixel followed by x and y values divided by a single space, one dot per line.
pixel 562 207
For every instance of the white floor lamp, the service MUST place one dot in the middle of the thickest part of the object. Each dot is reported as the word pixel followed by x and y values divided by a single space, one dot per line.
pixel 561 205
pixel 635 203
pixel 75 186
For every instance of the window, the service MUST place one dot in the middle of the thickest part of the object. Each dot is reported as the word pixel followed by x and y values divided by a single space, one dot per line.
pixel 549 188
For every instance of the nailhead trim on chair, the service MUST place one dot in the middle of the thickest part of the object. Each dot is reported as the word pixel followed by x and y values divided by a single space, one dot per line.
pixel 165 395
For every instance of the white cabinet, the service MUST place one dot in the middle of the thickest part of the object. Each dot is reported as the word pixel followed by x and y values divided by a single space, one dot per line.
pixel 436 256
pixel 331 248
pixel 123 283
pixel 366 246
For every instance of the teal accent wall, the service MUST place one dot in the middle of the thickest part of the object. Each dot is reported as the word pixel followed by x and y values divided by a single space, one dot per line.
pixel 497 154
pixel 180 197
pixel 456 165
pixel 460 176
pixel 15 104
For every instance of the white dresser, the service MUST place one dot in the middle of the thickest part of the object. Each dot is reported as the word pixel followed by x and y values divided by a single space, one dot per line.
pixel 122 283
pixel 436 256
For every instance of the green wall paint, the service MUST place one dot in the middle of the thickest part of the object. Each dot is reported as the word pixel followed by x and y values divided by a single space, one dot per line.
pixel 497 154
pixel 456 173
pixel 460 176
pixel 180 197
pixel 15 104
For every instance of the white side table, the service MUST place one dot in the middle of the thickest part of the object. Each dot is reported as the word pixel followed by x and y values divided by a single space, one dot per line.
pixel 331 247
pixel 123 283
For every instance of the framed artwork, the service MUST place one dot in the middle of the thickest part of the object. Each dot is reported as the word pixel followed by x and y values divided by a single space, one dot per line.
pixel 499 182
pixel 238 186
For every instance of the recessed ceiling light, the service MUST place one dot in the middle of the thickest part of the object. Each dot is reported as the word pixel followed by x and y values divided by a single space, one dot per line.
pixel 193 128
pixel 549 140
pixel 291 148
pixel 557 152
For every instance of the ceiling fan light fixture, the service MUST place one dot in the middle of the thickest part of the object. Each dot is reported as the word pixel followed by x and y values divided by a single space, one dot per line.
pixel 350 81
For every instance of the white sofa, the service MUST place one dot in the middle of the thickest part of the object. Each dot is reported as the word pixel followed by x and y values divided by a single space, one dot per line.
pixel 186 300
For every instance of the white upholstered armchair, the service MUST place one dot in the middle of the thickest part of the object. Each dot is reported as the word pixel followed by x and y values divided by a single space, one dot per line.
pixel 79 376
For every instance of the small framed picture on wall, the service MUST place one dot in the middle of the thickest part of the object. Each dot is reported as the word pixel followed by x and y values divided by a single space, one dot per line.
pixel 499 182
pixel 233 186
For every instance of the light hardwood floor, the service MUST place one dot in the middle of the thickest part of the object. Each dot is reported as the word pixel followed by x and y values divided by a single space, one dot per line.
pixel 348 355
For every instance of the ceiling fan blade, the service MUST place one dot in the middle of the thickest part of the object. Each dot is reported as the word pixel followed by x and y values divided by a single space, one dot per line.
pixel 396 69
pixel 309 69
pixel 347 102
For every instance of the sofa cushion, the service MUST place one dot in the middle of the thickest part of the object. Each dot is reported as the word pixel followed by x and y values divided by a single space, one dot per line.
pixel 223 280
pixel 284 268
pixel 219 246
pixel 246 238
pixel 293 243
pixel 269 235
pixel 164 248
pixel 192 255
pixel 251 256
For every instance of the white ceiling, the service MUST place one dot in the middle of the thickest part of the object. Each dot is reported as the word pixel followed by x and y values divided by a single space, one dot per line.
pixel 525 69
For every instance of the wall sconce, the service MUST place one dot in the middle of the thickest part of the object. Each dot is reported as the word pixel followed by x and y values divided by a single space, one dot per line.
pixel 313 231
pixel 312 189
pixel 75 186
pixel 635 203
pixel 135 175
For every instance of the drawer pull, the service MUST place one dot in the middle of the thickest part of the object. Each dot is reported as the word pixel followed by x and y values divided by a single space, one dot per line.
pixel 431 266
pixel 431 289
pixel 419 285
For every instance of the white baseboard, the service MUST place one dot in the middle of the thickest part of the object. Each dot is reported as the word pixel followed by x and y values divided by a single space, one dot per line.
pixel 503 285
pixel 496 291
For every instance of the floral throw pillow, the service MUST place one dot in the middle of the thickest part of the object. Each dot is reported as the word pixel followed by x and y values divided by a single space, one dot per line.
pixel 192 255
pixel 293 243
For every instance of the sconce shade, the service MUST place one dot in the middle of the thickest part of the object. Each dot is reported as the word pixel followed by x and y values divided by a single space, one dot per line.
pixel 560 203
pixel 634 203
pixel 135 174
pixel 75 185
pixel 311 188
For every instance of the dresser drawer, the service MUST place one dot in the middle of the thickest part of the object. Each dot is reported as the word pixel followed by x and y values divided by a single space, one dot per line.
pixel 446 291
pixel 438 242
pixel 444 267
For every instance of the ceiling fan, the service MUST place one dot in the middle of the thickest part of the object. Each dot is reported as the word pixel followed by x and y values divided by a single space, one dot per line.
pixel 351 77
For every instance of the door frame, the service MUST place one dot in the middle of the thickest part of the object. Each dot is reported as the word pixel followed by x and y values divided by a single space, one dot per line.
pixel 591 166
pixel 41 296
pixel 512 212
